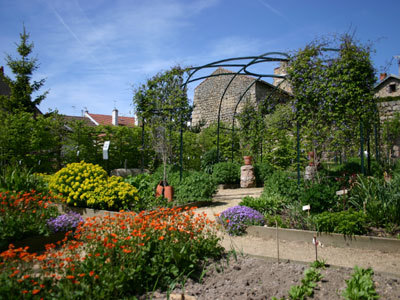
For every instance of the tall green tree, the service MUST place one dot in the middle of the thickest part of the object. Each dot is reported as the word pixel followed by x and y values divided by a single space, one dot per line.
pixel 23 90
pixel 162 104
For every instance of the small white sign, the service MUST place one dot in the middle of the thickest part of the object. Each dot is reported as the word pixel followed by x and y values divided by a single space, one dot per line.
pixel 106 146
pixel 341 192
pixel 306 207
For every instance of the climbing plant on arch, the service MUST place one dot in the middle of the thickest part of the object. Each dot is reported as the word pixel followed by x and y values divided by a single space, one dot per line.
pixel 333 91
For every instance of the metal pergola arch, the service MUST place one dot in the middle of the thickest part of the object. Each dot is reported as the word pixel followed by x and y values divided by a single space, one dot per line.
pixel 234 62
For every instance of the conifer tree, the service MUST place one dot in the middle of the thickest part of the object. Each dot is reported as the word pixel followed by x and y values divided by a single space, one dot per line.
pixel 21 96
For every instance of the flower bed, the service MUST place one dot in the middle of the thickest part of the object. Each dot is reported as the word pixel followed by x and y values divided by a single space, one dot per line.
pixel 23 215
pixel 114 257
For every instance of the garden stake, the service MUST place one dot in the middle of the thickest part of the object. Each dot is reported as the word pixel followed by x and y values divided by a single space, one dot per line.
pixel 277 238
pixel 315 242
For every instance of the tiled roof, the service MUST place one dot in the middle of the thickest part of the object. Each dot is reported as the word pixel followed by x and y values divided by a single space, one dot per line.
pixel 76 118
pixel 107 120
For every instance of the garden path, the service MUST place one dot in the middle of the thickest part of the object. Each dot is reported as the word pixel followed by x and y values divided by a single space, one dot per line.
pixel 296 251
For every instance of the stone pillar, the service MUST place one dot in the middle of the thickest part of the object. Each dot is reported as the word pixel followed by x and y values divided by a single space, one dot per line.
pixel 310 172
pixel 247 178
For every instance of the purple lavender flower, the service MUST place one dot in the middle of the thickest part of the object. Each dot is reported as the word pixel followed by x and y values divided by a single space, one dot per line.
pixel 65 222
pixel 237 218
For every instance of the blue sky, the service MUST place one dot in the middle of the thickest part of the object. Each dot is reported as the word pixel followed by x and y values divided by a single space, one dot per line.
pixel 93 53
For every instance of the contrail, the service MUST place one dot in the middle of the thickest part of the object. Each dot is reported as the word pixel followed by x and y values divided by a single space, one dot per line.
pixel 275 11
pixel 75 36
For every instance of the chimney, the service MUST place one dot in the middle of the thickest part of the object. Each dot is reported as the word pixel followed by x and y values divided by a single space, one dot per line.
pixel 382 76
pixel 115 117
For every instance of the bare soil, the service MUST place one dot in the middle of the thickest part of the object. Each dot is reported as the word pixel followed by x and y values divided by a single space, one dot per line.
pixel 257 275
pixel 256 278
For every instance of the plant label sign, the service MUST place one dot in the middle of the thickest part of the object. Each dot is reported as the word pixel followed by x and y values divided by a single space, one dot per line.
pixel 106 146
pixel 306 207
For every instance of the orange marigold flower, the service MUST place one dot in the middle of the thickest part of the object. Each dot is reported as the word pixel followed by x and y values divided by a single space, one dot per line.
pixel 161 238
pixel 81 275
pixel 34 292
pixel 91 273
pixel 24 292
pixel 70 277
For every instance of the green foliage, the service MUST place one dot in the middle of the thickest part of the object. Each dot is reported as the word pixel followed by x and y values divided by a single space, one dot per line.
pixel 197 186
pixel 24 214
pixel 262 171
pixel 21 88
pixel 87 185
pixel 320 196
pixel 209 159
pixel 267 204
pixel 284 184
pixel 347 222
pixel 332 89
pixel 21 179
pixel 361 285
pixel 279 147
pixel 226 173
pixel 380 199
pixel 308 283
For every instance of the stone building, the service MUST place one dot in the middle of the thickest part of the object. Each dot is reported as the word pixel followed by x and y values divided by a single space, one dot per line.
pixel 207 96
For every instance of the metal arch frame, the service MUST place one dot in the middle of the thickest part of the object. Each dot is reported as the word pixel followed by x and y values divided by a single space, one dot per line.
pixel 266 57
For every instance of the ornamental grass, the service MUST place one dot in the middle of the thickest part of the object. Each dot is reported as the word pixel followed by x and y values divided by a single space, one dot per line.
pixel 115 256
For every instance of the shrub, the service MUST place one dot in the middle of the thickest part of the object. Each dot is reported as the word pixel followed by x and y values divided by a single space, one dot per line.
pixel 116 257
pixel 266 204
pixel 87 185
pixel 197 186
pixel 208 160
pixel 236 219
pixel 321 197
pixel 347 222
pixel 284 184
pixel 226 173
pixel 262 171
pixel 23 215
pixel 361 285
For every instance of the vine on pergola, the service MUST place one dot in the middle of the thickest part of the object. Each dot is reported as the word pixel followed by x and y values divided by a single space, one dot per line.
pixel 333 91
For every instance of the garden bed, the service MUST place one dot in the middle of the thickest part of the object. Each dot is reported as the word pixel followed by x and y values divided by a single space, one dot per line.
pixel 328 239
pixel 256 278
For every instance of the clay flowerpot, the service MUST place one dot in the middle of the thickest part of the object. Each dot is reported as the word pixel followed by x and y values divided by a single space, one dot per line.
pixel 247 160
pixel 166 191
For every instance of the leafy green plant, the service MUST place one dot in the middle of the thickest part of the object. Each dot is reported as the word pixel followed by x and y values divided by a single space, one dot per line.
pixel 321 197
pixel 18 178
pixel 284 184
pixel 266 204
pixel 361 285
pixel 197 186
pixel 347 222
pixel 226 173
pixel 263 171
pixel 308 283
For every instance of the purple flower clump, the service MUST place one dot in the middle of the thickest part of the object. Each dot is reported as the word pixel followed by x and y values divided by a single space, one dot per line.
pixel 237 218
pixel 65 222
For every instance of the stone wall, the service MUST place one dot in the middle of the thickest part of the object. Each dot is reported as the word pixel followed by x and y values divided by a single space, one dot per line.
pixel 207 96
pixel 385 88
pixel 388 109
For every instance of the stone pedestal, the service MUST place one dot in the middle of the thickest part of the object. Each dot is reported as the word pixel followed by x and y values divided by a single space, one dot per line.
pixel 310 172
pixel 247 178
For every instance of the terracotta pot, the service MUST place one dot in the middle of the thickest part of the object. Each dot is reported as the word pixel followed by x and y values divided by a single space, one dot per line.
pixel 159 190
pixel 247 160
pixel 169 193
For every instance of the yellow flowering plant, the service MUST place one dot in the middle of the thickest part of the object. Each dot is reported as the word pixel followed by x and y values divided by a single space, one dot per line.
pixel 88 185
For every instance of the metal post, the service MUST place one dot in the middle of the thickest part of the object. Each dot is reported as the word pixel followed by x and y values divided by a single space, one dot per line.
pixel 376 143
pixel 181 152
pixel 233 137
pixel 298 153
pixel 142 167
pixel 368 151
pixel 362 147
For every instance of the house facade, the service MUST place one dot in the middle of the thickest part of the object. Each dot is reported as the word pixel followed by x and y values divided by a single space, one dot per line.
pixel 207 96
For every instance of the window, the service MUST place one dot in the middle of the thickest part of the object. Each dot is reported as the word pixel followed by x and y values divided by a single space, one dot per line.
pixel 392 88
